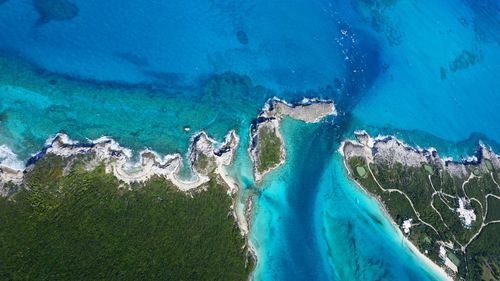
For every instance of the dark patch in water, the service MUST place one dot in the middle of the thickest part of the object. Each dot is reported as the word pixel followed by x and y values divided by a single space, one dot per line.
pixel 136 133
pixel 486 20
pixel 364 65
pixel 443 72
pixel 363 68
pixel 375 219
pixel 55 10
pixel 374 11
pixel 3 116
pixel 31 65
pixel 52 82
pixel 378 270
pixel 242 37
pixel 2 1
pixel 227 84
pixel 352 248
pixel 132 58
pixel 337 83
pixel 465 59
pixel 166 79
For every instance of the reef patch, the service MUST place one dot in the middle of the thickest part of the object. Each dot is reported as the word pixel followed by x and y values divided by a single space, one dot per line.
pixel 55 10
pixel 242 37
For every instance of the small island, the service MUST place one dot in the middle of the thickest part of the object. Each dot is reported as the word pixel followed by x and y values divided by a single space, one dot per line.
pixel 267 149
pixel 450 210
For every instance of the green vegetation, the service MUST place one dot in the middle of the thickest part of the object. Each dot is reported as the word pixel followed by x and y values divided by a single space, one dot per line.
pixel 87 226
pixel 476 172
pixel 397 204
pixel 367 182
pixel 493 209
pixel 413 182
pixel 428 187
pixel 478 188
pixel 484 255
pixel 489 165
pixel 454 227
pixel 269 149
pixel 204 164
pixel 361 171
pixel 429 169
pixel 449 184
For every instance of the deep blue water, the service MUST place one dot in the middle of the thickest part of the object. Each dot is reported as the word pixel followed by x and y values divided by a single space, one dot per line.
pixel 426 71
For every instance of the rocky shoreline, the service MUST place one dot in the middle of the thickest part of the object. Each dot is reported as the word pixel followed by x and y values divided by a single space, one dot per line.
pixel 206 157
pixel 389 149
pixel 119 160
pixel 372 162
pixel 307 110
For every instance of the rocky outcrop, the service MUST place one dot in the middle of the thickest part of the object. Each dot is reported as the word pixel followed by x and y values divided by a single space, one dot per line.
pixel 438 193
pixel 119 160
pixel 307 110
pixel 388 149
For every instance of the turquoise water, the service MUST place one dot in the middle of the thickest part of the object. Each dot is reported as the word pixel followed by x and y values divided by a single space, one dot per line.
pixel 366 241
pixel 426 71
pixel 412 93
pixel 313 223
pixel 39 106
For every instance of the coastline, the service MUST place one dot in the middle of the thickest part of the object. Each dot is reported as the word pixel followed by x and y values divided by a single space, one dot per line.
pixel 423 258
pixel 153 79
pixel 119 161
pixel 274 125
pixel 308 110
pixel 388 150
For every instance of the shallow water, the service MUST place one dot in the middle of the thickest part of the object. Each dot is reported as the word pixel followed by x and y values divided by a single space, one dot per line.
pixel 313 223
pixel 141 72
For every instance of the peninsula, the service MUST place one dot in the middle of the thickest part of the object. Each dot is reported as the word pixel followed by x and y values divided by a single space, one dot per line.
pixel 266 148
pixel 90 208
pixel 81 203
pixel 450 210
